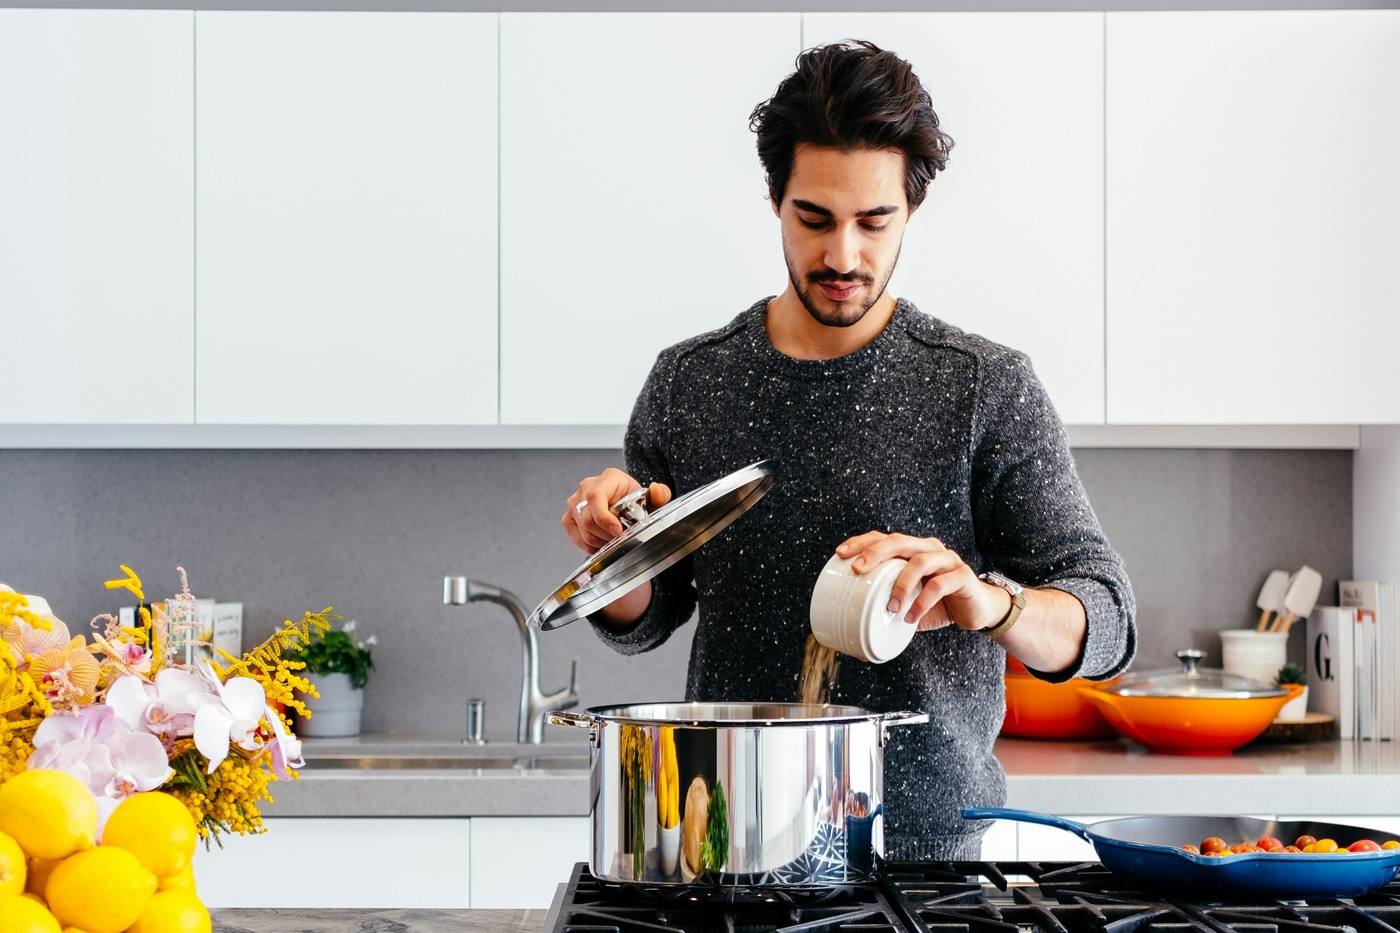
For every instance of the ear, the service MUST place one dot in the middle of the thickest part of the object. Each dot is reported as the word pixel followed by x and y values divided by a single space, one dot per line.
pixel 775 205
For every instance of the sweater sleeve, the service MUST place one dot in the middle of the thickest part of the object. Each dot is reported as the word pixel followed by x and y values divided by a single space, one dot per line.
pixel 1033 519
pixel 673 593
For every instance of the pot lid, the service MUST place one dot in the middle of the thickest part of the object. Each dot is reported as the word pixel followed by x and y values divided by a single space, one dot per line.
pixel 1193 681
pixel 651 542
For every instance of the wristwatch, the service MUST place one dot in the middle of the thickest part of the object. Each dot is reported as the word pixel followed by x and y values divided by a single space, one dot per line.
pixel 1018 602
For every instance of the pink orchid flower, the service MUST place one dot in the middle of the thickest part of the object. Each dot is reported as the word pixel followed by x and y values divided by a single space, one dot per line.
pixel 285 747
pixel 101 750
pixel 166 708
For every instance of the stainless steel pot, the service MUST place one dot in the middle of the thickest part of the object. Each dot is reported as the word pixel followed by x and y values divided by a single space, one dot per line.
pixel 732 794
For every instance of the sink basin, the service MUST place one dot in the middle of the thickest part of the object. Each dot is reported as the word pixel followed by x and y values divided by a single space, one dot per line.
pixel 446 763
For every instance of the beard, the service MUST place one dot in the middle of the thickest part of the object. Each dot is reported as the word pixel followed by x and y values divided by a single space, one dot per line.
pixel 838 313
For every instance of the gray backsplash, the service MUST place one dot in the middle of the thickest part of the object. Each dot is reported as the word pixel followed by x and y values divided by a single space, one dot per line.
pixel 373 532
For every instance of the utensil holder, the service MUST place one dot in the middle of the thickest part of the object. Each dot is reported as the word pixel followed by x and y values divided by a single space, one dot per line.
pixel 1256 655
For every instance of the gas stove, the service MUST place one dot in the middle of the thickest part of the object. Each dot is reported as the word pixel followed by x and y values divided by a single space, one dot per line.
pixel 954 897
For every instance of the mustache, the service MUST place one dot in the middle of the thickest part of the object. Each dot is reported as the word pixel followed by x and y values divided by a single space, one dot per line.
pixel 832 277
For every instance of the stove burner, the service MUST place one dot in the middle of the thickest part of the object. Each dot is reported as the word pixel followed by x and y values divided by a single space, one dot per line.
pixel 953 897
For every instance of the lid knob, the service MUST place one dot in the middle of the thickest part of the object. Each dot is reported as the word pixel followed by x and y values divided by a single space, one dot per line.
pixel 632 507
pixel 1190 658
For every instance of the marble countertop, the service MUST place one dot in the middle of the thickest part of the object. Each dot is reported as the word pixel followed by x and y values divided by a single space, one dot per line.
pixel 1321 778
pixel 295 920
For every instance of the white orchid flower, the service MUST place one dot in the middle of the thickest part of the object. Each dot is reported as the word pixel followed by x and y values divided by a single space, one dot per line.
pixel 232 719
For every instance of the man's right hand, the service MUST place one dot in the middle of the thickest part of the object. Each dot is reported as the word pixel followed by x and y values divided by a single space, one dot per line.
pixel 588 519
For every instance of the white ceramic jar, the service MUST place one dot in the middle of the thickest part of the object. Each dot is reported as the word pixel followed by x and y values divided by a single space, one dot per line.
pixel 850 614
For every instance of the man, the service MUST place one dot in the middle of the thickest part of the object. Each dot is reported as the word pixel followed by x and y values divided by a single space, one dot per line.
pixel 893 435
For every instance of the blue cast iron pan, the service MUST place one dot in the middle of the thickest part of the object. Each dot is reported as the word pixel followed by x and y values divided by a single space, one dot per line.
pixel 1145 850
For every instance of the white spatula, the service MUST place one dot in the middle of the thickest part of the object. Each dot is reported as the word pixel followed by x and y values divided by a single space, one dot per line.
pixel 1300 598
pixel 1271 598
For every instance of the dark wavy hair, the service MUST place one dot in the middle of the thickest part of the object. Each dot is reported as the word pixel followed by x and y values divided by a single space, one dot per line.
pixel 851 95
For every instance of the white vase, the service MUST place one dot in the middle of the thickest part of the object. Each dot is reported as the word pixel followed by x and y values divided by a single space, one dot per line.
pixel 336 712
pixel 1295 710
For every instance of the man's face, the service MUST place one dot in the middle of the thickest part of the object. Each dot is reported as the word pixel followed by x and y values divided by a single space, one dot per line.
pixel 843 216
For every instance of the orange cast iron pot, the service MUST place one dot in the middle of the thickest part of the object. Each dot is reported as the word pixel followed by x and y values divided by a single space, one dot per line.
pixel 1190 725
pixel 1036 709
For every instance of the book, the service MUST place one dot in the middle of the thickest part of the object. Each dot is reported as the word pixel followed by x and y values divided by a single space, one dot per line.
pixel 228 628
pixel 1331 665
pixel 1374 601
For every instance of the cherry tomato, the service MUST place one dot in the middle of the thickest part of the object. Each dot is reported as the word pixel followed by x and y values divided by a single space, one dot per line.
pixel 1269 844
pixel 1364 845
pixel 1292 849
pixel 1213 844
pixel 1190 848
pixel 1324 845
pixel 1243 847
pixel 1391 844
pixel 1303 842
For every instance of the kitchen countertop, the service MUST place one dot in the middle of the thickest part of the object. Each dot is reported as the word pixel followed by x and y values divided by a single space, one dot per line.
pixel 295 920
pixel 1320 778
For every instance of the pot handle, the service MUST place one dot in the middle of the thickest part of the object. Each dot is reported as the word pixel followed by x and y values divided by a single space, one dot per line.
pixel 900 718
pixel 1027 816
pixel 559 717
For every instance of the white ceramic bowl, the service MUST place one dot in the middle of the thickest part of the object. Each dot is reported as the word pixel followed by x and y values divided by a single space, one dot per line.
pixel 849 611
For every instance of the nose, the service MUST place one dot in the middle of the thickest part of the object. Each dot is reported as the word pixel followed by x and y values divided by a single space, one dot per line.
pixel 842 251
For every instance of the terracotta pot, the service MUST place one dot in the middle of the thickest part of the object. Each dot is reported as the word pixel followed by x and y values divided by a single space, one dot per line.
pixel 1036 709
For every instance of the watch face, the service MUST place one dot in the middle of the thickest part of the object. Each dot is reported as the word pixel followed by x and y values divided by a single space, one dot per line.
pixel 1011 586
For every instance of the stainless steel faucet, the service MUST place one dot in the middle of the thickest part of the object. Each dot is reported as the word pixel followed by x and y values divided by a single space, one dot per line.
pixel 458 591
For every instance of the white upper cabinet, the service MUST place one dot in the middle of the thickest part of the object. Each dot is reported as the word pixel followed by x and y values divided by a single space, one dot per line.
pixel 1253 197
pixel 1009 242
pixel 346 251
pixel 633 205
pixel 96 216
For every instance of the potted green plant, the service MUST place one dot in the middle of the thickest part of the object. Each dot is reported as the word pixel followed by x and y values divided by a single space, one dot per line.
pixel 1297 708
pixel 338 666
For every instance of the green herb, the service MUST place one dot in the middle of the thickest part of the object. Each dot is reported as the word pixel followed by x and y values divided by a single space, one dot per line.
pixel 1290 674
pixel 714 852
pixel 336 652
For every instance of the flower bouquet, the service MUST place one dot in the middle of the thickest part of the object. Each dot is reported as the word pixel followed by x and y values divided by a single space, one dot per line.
pixel 123 715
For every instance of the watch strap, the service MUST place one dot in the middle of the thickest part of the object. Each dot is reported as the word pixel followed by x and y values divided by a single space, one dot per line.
pixel 1018 603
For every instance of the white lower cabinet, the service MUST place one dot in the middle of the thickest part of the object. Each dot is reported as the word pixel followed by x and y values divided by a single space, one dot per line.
pixel 356 862
pixel 999 844
pixel 519 862
pixel 1037 843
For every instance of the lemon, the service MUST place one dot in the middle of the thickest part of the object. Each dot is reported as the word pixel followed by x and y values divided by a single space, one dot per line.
pixel 157 829
pixel 173 912
pixel 184 881
pixel 49 813
pixel 39 871
pixel 12 866
pixel 101 890
pixel 18 914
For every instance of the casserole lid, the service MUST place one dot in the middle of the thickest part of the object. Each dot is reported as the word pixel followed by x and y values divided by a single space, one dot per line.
pixel 651 542
pixel 1193 681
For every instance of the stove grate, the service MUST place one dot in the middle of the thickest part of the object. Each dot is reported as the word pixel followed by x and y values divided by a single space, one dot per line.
pixel 952 897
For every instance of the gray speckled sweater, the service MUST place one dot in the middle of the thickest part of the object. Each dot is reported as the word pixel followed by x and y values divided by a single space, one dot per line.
pixel 927 430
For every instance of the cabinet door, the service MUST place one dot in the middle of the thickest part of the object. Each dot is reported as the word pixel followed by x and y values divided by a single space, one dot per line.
pixel 1009 242
pixel 96 216
pixel 519 861
pixel 324 863
pixel 347 218
pixel 633 202
pixel 1252 197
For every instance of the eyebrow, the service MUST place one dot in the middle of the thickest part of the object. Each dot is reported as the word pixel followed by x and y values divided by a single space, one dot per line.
pixel 811 208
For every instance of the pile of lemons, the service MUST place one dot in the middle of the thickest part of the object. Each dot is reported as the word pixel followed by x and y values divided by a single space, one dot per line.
pixel 54 879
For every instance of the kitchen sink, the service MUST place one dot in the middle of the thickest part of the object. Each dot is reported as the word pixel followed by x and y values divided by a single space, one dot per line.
pixel 446 763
